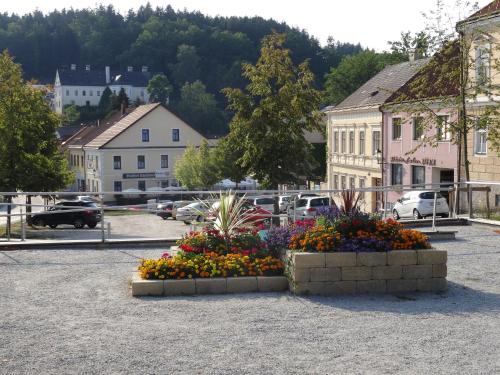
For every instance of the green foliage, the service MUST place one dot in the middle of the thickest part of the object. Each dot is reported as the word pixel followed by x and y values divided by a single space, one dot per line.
pixel 122 98
pixel 71 115
pixel 271 114
pixel 30 159
pixel 159 89
pixel 226 156
pixel 354 71
pixel 419 43
pixel 197 169
pixel 108 101
pixel 187 67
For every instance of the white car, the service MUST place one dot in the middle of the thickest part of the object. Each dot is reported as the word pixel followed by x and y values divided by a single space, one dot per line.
pixel 418 204
pixel 267 203
pixel 192 212
pixel 285 202
pixel 306 208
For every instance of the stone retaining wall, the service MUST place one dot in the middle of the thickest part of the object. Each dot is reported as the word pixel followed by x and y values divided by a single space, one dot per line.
pixel 351 273
pixel 141 287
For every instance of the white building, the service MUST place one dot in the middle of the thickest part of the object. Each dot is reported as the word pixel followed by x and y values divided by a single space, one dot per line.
pixel 85 86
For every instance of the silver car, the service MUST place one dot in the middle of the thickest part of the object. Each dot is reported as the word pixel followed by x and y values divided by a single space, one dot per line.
pixel 192 212
pixel 306 208
pixel 418 204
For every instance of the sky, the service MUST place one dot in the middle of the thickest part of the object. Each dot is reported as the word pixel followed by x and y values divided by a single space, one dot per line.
pixel 371 23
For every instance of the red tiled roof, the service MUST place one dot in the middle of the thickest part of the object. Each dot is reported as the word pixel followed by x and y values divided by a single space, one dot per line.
pixel 488 10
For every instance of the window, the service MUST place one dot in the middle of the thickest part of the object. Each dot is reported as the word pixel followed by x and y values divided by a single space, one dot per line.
pixel 84 92
pixel 142 94
pixel 417 175
pixel 141 185
pixel 351 142
pixel 117 162
pixel 76 92
pixel 443 128
pixel 336 182
pixel 497 200
pixel 81 160
pixel 164 184
pixel 361 142
pixel 342 143
pixel 91 92
pixel 361 186
pixel 342 182
pixel 352 183
pixel 418 128
pixel 97 162
pixel 164 161
pixel 72 102
pixel 175 135
pixel 87 103
pixel 396 174
pixel 482 65
pixel 141 162
pixel 117 186
pixel 145 135
pixel 396 129
pixel 336 141
pixel 98 93
pixel 376 142
pixel 480 142
pixel 67 92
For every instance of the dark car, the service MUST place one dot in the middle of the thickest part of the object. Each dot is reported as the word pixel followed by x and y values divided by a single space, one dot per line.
pixel 58 214
pixel 164 209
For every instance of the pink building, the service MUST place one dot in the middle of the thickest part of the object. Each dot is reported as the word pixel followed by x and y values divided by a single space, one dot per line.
pixel 405 163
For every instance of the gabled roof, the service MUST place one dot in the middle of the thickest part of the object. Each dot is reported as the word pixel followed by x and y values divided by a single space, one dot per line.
pixel 489 10
pixel 137 79
pixel 379 88
pixel 69 77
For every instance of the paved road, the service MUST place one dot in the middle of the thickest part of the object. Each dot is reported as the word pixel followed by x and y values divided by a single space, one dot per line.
pixel 70 311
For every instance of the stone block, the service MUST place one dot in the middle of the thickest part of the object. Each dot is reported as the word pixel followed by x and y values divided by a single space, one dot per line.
pixel 436 284
pixel 325 288
pixel 308 260
pixel 141 287
pixel 325 274
pixel 241 284
pixel 401 257
pixel 179 287
pixel 301 274
pixel 400 286
pixel 272 283
pixel 372 259
pixel 356 273
pixel 371 286
pixel 431 256
pixel 387 272
pixel 342 287
pixel 340 259
pixel 417 272
pixel 439 270
pixel 211 286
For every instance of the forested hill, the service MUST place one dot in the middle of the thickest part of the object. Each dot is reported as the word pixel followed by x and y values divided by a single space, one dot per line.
pixel 152 37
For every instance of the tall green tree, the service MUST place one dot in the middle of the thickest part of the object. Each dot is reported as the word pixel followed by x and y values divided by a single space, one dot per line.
pixel 196 169
pixel 226 157
pixel 29 154
pixel 159 89
pixel 122 98
pixel 187 67
pixel 271 114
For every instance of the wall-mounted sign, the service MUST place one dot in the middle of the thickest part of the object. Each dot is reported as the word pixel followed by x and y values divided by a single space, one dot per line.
pixel 409 160
pixel 139 175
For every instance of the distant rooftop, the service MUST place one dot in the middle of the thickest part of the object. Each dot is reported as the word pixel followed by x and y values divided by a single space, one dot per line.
pixel 489 10
pixel 97 77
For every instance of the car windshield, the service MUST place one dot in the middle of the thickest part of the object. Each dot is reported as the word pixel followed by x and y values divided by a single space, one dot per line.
pixel 302 203
pixel 429 195
pixel 285 199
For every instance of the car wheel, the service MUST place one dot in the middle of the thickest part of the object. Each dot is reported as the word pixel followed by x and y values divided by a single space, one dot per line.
pixel 187 222
pixel 78 223
pixel 416 214
pixel 200 219
pixel 395 215
pixel 38 223
pixel 92 225
pixel 445 215
pixel 53 226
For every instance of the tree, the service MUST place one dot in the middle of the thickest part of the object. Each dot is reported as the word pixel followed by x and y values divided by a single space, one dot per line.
pixel 122 98
pixel 420 44
pixel 354 71
pixel 71 115
pixel 107 103
pixel 199 108
pixel 187 68
pixel 159 89
pixel 30 159
pixel 271 114
pixel 196 168
pixel 226 157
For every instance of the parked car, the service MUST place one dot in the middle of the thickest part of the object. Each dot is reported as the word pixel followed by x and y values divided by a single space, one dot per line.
pixel 418 204
pixel 267 203
pixel 85 198
pixel 164 209
pixel 285 202
pixel 57 215
pixel 176 205
pixel 192 212
pixel 305 208
pixel 253 214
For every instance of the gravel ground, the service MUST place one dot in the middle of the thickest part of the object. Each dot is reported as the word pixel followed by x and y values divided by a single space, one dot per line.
pixel 70 311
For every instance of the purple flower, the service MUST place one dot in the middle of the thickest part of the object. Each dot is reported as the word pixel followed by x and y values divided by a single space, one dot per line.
pixel 364 244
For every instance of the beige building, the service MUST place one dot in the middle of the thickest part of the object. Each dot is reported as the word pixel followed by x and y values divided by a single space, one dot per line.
pixel 482 32
pixel 354 133
pixel 137 150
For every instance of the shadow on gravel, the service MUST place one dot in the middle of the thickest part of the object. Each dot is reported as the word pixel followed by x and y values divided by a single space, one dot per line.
pixel 459 299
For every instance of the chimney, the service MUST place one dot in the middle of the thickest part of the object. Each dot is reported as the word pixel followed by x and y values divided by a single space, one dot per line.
pixel 130 68
pixel 87 67
pixel 411 54
pixel 108 75
pixel 144 68
pixel 73 66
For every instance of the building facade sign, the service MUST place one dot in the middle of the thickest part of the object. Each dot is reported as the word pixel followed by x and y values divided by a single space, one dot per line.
pixel 139 175
pixel 409 160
